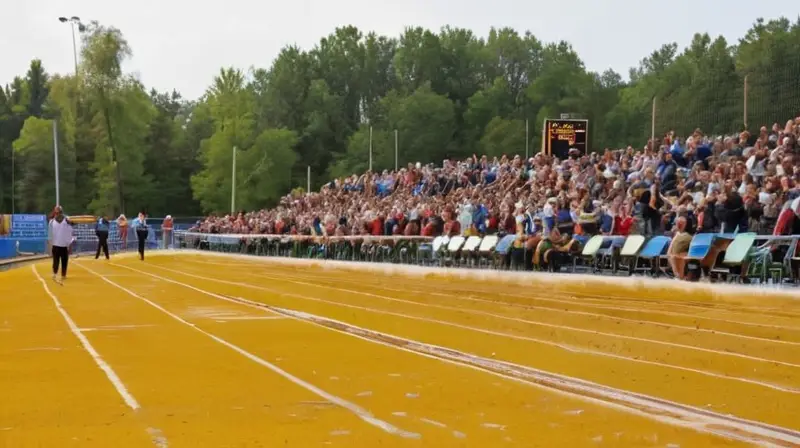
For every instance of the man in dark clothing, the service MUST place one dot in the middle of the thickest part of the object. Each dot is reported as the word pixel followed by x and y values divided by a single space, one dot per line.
pixel 101 230
pixel 733 215
pixel 651 204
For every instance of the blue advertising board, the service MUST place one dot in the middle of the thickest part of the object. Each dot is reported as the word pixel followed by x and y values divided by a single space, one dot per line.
pixel 29 226
pixel 29 231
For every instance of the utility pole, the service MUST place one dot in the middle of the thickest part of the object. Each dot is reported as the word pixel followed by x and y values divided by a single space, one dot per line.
pixel 233 183
pixel 55 161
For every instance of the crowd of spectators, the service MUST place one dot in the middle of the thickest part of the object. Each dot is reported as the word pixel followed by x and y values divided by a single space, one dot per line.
pixel 730 183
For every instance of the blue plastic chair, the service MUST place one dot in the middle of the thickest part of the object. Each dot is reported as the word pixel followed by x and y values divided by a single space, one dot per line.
pixel 700 245
pixel 653 250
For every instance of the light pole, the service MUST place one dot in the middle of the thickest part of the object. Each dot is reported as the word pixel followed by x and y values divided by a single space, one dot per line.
pixel 13 180
pixel 74 20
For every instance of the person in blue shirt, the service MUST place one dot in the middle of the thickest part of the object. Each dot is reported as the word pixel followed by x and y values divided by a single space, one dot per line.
pixel 140 227
pixel 101 230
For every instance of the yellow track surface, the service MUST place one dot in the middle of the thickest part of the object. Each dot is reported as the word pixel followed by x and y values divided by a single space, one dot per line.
pixel 178 351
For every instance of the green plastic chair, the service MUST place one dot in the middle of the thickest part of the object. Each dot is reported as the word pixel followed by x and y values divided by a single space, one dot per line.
pixel 737 253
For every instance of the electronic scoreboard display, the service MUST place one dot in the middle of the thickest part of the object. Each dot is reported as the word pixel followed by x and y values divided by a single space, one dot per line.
pixel 562 135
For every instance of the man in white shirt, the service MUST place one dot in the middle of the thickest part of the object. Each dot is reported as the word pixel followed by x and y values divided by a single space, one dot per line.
pixel 60 240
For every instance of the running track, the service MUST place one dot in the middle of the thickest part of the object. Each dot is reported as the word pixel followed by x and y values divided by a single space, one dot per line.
pixel 188 350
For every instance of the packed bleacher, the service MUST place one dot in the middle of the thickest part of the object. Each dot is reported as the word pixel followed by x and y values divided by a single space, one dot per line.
pixel 676 188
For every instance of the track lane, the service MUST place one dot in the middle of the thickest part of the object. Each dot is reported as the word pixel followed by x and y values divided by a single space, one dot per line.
pixel 195 390
pixel 712 316
pixel 51 391
pixel 436 398
pixel 717 393
pixel 657 332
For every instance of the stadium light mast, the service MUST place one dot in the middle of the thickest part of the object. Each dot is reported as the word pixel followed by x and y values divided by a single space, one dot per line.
pixel 74 20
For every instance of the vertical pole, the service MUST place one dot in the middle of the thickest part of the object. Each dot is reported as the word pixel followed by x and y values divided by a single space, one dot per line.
pixel 74 48
pixel 395 151
pixel 653 127
pixel 233 182
pixel 527 139
pixel 744 112
pixel 13 180
pixel 370 148
pixel 308 179
pixel 55 160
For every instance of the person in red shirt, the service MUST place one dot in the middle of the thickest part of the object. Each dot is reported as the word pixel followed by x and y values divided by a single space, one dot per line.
pixel 623 223
pixel 376 226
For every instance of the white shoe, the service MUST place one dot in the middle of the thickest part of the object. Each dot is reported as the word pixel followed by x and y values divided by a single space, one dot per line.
pixel 55 278
pixel 60 280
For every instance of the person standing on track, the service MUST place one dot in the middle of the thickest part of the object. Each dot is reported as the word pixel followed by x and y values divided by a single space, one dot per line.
pixel 101 230
pixel 140 226
pixel 60 240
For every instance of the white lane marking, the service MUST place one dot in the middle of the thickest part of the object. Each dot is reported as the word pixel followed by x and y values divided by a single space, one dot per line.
pixel 433 422
pixel 114 327
pixel 255 318
pixel 546 325
pixel 657 409
pixel 550 309
pixel 360 412
pixel 463 327
pixel 157 437
pixel 494 426
pixel 40 349
pixel 101 363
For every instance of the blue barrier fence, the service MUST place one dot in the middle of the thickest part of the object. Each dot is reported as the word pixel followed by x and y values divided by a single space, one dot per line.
pixel 28 234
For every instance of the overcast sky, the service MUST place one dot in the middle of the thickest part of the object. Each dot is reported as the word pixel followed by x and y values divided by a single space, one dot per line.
pixel 182 44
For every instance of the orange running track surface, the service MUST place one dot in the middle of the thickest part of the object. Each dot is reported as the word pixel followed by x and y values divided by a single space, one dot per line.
pixel 206 350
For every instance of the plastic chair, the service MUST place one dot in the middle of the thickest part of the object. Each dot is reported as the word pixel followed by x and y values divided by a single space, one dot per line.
pixel 734 258
pixel 627 255
pixel 652 253
pixel 589 252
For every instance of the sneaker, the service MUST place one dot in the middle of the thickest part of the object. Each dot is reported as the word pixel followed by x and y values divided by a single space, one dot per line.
pixel 55 278
pixel 60 280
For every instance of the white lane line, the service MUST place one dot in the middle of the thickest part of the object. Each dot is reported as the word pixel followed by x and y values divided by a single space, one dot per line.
pixel 360 412
pixel 114 327
pixel 101 363
pixel 546 325
pixel 657 409
pixel 254 318
pixel 463 327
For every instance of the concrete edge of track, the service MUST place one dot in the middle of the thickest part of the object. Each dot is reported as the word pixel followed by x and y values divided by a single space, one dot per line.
pixel 16 262
pixel 631 285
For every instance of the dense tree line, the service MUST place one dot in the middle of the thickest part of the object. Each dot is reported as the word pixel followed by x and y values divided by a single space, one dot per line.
pixel 447 94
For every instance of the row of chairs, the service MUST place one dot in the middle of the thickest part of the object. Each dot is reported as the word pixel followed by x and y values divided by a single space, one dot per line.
pixel 744 257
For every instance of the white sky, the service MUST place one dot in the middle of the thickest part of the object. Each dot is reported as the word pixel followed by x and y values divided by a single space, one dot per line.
pixel 182 44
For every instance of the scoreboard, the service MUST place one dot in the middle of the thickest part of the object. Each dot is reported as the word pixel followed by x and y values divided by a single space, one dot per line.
pixel 561 135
